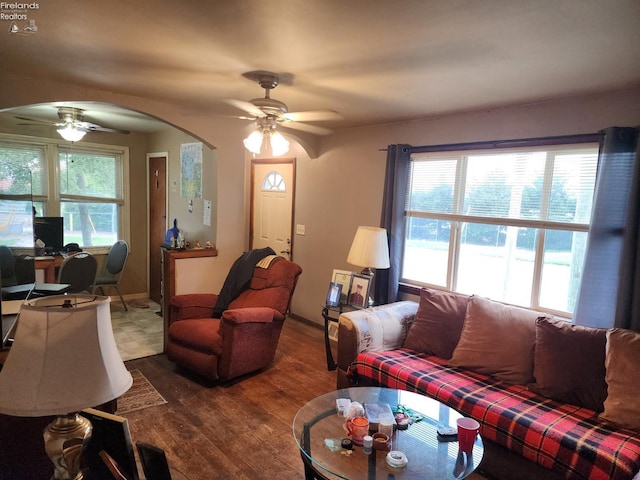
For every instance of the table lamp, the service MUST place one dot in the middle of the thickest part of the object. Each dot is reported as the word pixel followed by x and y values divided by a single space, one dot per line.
pixel 369 250
pixel 63 359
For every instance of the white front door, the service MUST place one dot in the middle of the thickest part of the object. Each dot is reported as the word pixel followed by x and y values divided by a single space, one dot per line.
pixel 272 205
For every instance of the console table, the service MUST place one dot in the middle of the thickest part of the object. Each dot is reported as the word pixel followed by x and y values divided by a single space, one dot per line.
pixel 168 287
pixel 332 314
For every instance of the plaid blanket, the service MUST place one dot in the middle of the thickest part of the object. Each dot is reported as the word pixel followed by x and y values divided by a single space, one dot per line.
pixel 564 438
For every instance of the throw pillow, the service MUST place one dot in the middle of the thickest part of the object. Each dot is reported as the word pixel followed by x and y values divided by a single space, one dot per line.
pixel 497 340
pixel 568 363
pixel 623 378
pixel 438 324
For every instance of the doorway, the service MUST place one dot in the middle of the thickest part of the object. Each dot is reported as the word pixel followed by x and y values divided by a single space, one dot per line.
pixel 157 201
pixel 272 200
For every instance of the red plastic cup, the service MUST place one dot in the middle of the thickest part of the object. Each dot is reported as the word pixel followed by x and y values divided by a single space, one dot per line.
pixel 468 429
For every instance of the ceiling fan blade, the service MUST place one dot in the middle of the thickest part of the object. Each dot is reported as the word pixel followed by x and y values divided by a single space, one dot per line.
pixel 39 124
pixel 98 128
pixel 32 120
pixel 313 116
pixel 304 127
pixel 94 127
pixel 248 107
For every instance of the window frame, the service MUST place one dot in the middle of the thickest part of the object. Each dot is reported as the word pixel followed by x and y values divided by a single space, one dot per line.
pixel 51 198
pixel 568 143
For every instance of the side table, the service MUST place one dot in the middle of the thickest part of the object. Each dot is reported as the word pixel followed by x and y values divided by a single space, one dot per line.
pixel 332 314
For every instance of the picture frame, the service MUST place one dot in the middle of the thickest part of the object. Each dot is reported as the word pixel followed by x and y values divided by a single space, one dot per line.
pixel 359 290
pixel 333 294
pixel 111 435
pixel 343 277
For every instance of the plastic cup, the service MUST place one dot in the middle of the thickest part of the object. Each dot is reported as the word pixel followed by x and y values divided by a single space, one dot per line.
pixel 468 429
pixel 385 424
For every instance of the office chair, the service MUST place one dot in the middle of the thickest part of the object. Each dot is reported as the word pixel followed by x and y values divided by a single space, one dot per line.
pixel 24 268
pixel 6 266
pixel 111 273
pixel 79 271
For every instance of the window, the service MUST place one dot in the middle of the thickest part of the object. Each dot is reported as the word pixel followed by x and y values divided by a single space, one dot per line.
pixel 508 224
pixel 84 184
pixel 19 165
pixel 273 182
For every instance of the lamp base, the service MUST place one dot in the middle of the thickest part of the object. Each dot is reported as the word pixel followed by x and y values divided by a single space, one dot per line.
pixel 370 272
pixel 64 442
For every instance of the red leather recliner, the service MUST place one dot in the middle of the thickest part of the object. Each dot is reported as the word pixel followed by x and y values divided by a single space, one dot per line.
pixel 245 338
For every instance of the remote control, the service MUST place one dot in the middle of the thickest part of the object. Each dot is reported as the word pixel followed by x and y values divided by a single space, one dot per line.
pixel 447 431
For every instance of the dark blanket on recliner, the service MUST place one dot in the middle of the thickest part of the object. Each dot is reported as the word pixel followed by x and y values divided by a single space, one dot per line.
pixel 239 278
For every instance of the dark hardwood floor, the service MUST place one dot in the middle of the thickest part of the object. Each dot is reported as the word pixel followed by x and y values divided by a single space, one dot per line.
pixel 239 430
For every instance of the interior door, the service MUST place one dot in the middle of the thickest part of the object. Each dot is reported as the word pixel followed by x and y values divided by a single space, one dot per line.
pixel 272 192
pixel 157 188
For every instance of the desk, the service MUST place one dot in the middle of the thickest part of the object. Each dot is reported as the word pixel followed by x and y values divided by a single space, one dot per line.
pixel 332 314
pixel 49 265
pixel 427 457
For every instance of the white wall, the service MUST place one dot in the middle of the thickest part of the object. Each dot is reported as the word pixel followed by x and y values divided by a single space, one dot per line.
pixel 341 187
pixel 190 222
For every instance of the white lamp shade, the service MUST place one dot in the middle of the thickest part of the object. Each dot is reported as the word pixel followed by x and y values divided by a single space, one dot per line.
pixel 71 133
pixel 279 144
pixel 253 142
pixel 369 248
pixel 62 359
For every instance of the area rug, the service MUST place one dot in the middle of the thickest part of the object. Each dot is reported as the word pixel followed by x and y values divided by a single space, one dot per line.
pixel 141 395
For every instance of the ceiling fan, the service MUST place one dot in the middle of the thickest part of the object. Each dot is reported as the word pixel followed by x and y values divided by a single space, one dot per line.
pixel 72 125
pixel 269 112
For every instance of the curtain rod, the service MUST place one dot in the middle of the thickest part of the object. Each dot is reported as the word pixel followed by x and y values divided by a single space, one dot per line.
pixel 521 142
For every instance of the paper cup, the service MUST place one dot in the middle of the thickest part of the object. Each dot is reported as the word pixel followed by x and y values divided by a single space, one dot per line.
pixel 467 431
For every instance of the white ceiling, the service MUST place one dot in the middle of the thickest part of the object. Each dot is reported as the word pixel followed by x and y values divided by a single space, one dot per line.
pixel 373 61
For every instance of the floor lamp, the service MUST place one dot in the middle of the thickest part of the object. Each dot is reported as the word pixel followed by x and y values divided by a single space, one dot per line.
pixel 63 359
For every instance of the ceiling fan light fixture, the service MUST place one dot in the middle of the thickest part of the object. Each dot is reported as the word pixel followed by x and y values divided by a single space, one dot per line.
pixel 279 144
pixel 253 142
pixel 70 133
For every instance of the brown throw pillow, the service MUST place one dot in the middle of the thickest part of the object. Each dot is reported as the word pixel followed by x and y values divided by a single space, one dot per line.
pixel 438 323
pixel 568 363
pixel 623 378
pixel 497 340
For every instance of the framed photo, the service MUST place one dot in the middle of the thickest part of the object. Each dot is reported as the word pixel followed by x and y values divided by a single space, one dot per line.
pixel 359 291
pixel 333 294
pixel 343 277
pixel 111 435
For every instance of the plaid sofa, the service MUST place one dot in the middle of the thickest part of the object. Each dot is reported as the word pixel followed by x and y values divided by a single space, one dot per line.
pixel 563 438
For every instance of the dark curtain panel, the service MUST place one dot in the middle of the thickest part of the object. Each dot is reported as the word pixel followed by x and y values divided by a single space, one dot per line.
pixel 395 192
pixel 628 308
pixel 611 278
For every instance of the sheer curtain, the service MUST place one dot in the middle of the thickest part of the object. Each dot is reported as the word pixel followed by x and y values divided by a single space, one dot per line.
pixel 395 192
pixel 610 290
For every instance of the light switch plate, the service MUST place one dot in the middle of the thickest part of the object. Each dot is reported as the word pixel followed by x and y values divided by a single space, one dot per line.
pixel 300 229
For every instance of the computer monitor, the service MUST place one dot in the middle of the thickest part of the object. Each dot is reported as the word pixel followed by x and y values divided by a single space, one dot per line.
pixel 51 231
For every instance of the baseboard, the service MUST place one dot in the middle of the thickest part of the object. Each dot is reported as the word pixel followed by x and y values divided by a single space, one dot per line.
pixel 306 321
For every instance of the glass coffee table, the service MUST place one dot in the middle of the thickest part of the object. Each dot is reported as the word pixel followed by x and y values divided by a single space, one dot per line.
pixel 318 429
